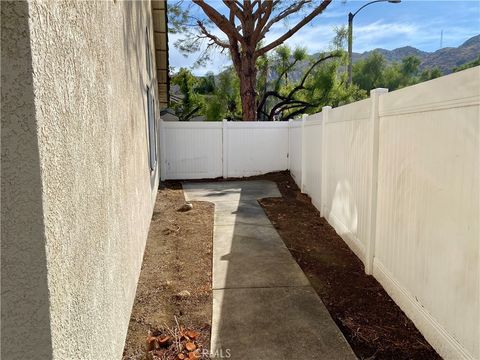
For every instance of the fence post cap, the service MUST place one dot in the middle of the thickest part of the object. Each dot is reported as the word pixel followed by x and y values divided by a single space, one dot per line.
pixel 378 91
pixel 326 108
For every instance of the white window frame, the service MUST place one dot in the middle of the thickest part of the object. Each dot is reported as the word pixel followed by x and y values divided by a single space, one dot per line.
pixel 151 118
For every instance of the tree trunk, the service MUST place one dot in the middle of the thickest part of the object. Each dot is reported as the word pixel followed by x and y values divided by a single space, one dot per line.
pixel 256 21
pixel 248 78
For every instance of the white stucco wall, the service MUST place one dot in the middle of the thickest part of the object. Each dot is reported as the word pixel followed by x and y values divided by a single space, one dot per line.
pixel 95 191
pixel 24 292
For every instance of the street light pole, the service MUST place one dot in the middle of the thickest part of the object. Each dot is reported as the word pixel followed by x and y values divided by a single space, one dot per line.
pixel 350 40
pixel 350 34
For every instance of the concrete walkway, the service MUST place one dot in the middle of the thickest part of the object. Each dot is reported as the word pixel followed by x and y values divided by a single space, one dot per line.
pixel 263 305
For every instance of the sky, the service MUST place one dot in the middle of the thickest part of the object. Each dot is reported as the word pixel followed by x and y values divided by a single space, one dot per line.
pixel 380 25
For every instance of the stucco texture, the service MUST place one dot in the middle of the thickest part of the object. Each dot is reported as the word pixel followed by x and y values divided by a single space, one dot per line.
pixel 94 189
pixel 24 292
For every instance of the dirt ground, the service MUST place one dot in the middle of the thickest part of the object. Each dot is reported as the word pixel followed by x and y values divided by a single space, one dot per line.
pixel 176 275
pixel 372 323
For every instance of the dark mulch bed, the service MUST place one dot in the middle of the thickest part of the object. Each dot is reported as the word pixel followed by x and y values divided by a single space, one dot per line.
pixel 373 324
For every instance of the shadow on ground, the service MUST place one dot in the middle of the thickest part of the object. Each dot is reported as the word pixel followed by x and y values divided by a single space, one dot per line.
pixel 263 305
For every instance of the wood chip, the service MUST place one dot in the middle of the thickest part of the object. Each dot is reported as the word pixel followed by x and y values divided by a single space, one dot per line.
pixel 163 340
pixel 192 334
pixel 194 355
pixel 150 342
pixel 159 353
pixel 190 346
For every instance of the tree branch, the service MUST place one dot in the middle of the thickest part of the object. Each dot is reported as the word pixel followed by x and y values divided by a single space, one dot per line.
pixel 305 76
pixel 220 20
pixel 190 114
pixel 318 10
pixel 297 112
pixel 288 99
pixel 265 9
pixel 235 11
pixel 296 6
pixel 212 37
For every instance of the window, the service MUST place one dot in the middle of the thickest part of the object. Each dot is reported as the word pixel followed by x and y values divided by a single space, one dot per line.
pixel 152 144
pixel 151 128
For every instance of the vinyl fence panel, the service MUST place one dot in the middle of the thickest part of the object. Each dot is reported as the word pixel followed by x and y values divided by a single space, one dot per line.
pixel 191 150
pixel 313 158
pixel 254 148
pixel 295 150
pixel 427 247
pixel 347 173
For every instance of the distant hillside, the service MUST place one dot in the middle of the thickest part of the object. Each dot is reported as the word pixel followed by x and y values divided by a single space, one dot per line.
pixel 392 55
pixel 446 59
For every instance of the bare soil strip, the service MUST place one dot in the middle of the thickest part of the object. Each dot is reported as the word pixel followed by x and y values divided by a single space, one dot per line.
pixel 175 281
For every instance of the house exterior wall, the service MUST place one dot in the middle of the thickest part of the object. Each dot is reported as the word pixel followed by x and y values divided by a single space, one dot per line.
pixel 94 190
pixel 25 306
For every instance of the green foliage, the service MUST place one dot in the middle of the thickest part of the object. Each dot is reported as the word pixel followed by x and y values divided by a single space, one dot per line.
pixel 339 42
pixel 409 66
pixel 283 52
pixel 300 53
pixel 303 83
pixel 206 84
pixel 368 73
pixel 296 89
pixel 429 74
pixel 262 76
pixel 228 93
pixel 285 61
pixel 374 72
pixel 191 102
pixel 468 65
pixel 178 17
pixel 214 109
pixel 215 97
pixel 326 86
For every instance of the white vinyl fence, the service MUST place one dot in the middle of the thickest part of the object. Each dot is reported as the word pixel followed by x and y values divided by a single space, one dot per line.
pixel 202 150
pixel 253 148
pixel 397 175
pixel 191 150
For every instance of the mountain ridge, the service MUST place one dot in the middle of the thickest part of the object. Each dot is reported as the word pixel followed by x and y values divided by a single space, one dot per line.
pixel 446 59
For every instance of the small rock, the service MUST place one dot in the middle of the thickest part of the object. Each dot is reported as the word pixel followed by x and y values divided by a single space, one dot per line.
pixel 156 215
pixel 183 294
pixel 166 231
pixel 185 207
